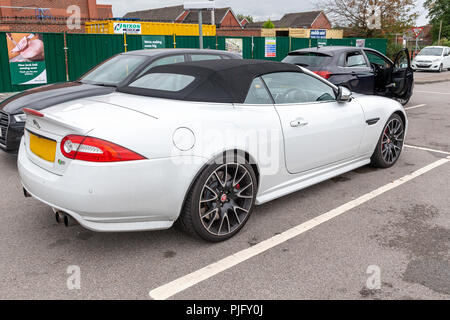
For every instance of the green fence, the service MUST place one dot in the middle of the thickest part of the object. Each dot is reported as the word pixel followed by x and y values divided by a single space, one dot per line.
pixel 84 51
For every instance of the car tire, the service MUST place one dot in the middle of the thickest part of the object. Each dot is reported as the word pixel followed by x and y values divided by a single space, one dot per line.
pixel 222 198
pixel 390 144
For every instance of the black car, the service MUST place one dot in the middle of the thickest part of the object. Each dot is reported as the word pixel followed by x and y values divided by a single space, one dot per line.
pixel 103 79
pixel 361 70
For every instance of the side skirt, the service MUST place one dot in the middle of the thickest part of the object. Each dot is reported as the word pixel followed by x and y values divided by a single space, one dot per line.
pixel 308 179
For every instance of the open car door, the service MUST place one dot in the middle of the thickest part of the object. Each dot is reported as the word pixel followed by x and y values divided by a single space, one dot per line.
pixel 402 78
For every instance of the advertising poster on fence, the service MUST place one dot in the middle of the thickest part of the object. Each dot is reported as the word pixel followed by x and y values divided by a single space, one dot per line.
pixel 234 45
pixel 360 43
pixel 271 48
pixel 153 42
pixel 26 58
pixel 128 28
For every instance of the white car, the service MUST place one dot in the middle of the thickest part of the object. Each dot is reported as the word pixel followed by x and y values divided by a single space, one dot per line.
pixel 201 143
pixel 436 58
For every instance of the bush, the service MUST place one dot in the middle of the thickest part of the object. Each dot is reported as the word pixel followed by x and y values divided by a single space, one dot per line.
pixel 444 42
pixel 392 49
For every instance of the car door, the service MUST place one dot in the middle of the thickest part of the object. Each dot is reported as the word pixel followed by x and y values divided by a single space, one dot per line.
pixel 402 77
pixel 361 77
pixel 382 68
pixel 317 129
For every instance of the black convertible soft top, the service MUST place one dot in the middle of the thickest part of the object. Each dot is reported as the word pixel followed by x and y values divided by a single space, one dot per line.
pixel 220 81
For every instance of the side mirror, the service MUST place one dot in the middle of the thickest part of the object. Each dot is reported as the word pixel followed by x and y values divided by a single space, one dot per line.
pixel 344 95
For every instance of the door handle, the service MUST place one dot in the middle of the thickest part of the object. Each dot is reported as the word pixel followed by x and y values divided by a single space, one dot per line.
pixel 299 123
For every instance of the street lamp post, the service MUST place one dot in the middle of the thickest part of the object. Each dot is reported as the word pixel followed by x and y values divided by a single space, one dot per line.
pixel 200 6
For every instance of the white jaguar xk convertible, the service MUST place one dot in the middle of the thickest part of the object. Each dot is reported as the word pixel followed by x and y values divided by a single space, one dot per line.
pixel 200 144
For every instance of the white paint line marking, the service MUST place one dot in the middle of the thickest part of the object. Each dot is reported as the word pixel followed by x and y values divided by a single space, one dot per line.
pixel 170 289
pixel 432 92
pixel 414 107
pixel 427 149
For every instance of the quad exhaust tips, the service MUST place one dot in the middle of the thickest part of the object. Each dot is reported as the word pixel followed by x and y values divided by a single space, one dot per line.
pixel 62 217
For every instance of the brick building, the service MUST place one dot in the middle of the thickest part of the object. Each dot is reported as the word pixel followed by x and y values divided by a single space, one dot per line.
pixel 48 15
pixel 299 20
pixel 223 17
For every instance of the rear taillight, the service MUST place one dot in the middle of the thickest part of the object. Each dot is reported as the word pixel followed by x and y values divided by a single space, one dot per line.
pixel 323 74
pixel 96 150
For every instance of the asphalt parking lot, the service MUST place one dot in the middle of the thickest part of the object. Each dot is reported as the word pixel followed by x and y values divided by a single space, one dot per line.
pixel 347 226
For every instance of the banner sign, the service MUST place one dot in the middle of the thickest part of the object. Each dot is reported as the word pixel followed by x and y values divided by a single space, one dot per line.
pixel 318 34
pixel 322 43
pixel 128 28
pixel 26 58
pixel 234 45
pixel 153 42
pixel 271 48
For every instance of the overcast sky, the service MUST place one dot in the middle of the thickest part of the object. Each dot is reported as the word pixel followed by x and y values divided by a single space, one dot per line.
pixel 259 9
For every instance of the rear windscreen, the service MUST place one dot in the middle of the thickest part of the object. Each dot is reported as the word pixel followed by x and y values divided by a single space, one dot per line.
pixel 163 81
pixel 308 59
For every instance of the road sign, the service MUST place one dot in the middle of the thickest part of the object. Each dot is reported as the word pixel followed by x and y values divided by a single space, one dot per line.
pixel 417 31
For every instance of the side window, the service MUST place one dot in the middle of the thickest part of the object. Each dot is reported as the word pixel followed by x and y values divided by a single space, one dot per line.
pixel 257 94
pixel 201 57
pixel 296 87
pixel 162 62
pixel 377 59
pixel 341 61
pixel 355 59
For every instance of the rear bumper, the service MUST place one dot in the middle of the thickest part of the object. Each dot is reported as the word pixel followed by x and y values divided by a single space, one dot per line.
pixel 128 196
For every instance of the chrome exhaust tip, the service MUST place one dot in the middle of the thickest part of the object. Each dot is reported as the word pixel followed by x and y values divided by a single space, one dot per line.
pixel 59 216
pixel 69 221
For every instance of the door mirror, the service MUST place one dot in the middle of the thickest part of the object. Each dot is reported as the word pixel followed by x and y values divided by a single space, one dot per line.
pixel 344 94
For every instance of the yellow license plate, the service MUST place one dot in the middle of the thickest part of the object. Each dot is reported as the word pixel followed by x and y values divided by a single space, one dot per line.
pixel 43 148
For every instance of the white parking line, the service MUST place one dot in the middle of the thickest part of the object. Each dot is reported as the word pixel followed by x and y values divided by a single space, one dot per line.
pixel 427 149
pixel 414 107
pixel 170 289
pixel 432 92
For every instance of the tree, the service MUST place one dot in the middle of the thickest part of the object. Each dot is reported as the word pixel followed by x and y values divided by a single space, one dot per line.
pixel 371 18
pixel 268 25
pixel 439 10
pixel 242 17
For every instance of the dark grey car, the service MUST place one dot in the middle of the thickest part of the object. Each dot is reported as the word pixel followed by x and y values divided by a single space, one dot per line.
pixel 362 70
pixel 103 79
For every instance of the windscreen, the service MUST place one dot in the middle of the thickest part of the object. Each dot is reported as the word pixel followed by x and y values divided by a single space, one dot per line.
pixel 308 59
pixel 431 52
pixel 114 71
